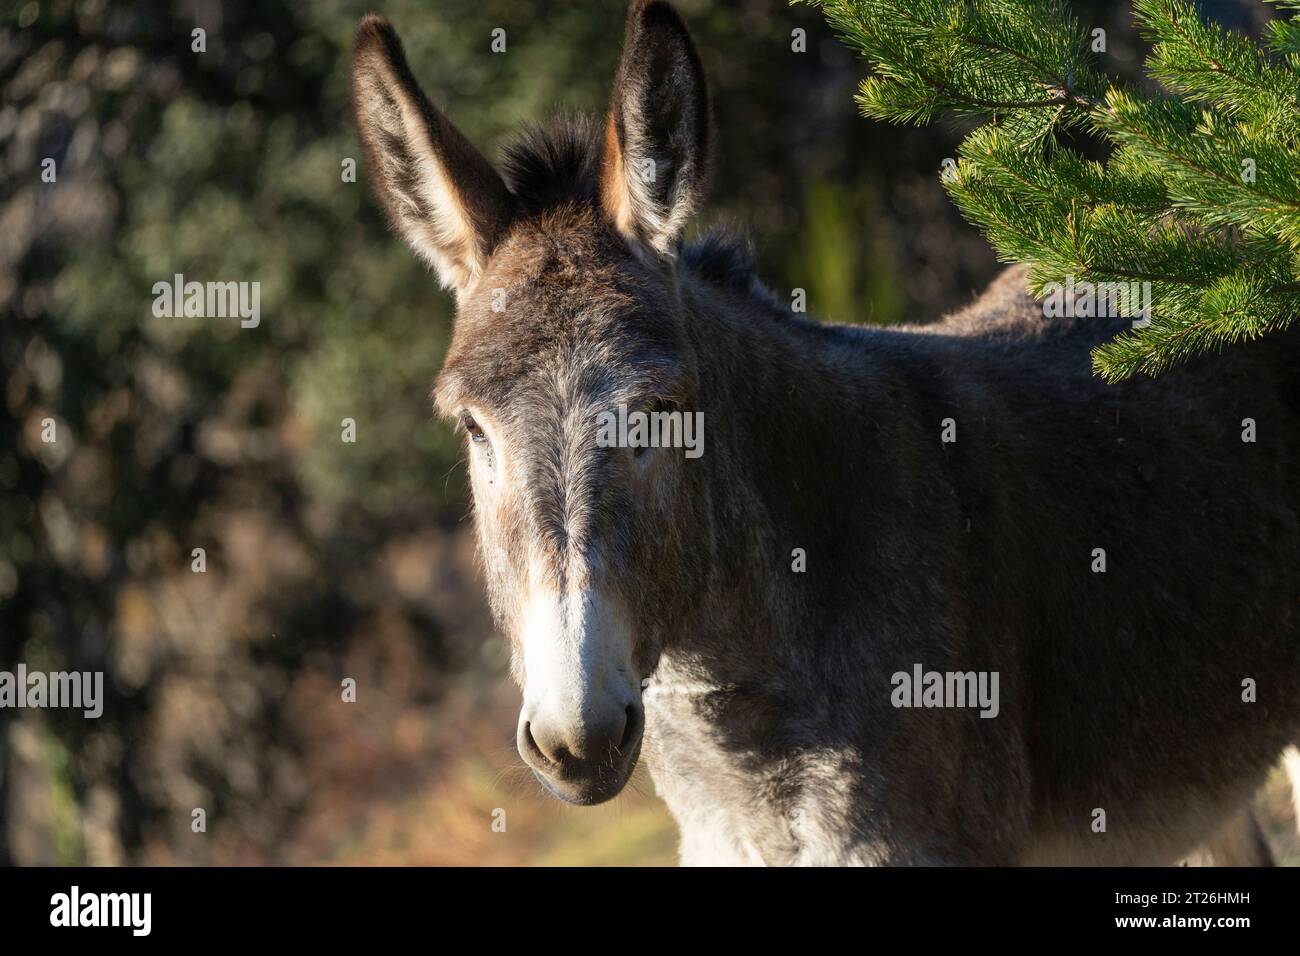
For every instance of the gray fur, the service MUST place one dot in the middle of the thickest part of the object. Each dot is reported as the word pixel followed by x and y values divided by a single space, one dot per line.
pixel 769 726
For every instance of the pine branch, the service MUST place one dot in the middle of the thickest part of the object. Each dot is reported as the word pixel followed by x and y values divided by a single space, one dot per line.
pixel 1200 196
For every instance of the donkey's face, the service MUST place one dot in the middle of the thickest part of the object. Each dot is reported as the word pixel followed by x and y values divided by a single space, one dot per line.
pixel 567 309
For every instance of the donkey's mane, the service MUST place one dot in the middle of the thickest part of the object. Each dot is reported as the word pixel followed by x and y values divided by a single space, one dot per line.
pixel 545 165
pixel 549 164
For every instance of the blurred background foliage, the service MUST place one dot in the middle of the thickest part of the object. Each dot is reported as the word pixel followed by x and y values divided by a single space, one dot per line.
pixel 325 559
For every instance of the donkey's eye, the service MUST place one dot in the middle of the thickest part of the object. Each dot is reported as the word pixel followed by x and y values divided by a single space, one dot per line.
pixel 472 428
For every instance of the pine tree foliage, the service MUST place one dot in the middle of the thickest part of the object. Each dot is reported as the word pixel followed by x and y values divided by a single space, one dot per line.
pixel 1200 192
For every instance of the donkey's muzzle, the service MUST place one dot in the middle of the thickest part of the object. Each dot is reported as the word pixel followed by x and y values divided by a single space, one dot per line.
pixel 583 762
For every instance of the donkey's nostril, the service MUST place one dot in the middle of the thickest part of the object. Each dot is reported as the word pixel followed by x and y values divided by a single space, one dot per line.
pixel 547 747
pixel 531 743
pixel 631 728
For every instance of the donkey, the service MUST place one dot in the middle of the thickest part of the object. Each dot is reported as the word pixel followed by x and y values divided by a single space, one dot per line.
pixel 1113 564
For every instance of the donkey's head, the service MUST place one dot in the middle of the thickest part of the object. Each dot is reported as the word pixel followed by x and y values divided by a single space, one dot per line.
pixel 567 308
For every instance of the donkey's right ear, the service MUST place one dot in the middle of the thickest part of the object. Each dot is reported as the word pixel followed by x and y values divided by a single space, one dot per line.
pixel 441 194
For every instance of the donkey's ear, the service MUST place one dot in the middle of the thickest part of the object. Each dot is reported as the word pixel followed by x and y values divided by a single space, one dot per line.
pixel 659 135
pixel 441 194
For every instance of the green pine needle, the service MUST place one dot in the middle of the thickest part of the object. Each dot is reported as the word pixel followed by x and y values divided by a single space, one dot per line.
pixel 1200 193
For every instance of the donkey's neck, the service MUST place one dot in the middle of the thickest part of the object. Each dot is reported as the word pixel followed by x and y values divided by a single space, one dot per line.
pixel 798 419
pixel 827 493
pixel 812 443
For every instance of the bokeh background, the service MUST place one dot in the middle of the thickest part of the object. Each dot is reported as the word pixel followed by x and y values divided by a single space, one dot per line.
pixel 328 560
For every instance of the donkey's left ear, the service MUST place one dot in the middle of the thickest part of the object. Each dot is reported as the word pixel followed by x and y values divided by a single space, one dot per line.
pixel 659 135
